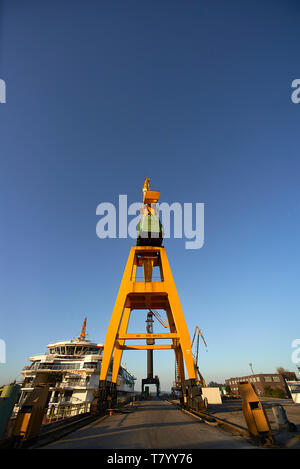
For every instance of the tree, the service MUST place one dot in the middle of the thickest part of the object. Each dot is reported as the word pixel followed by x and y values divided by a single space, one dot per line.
pixel 274 392
pixel 287 375
pixel 213 384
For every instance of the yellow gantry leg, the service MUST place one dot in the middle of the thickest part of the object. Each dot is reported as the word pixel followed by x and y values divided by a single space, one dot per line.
pixel 178 316
pixel 177 349
pixel 111 335
pixel 118 351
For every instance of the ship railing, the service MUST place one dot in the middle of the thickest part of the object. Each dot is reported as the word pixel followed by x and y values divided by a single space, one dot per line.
pixel 27 367
pixel 72 383
pixel 65 410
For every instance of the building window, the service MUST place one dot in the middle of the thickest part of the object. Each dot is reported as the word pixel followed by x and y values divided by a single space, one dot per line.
pixel 276 378
pixel 268 379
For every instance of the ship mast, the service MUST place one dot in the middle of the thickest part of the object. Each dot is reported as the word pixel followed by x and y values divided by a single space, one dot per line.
pixel 82 334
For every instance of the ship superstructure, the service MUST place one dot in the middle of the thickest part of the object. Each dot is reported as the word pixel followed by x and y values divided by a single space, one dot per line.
pixel 74 366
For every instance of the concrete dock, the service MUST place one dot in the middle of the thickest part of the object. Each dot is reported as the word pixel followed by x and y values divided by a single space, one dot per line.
pixel 151 425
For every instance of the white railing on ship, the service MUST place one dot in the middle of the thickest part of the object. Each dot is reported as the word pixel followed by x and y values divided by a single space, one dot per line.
pixel 62 411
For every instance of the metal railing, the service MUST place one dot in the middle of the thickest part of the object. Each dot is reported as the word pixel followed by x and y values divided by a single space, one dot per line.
pixel 62 411
pixel 72 383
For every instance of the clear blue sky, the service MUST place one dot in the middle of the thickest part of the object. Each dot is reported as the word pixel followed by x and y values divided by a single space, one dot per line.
pixel 195 95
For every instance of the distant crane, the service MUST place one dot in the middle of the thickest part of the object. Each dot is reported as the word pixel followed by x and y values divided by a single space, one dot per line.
pixel 198 334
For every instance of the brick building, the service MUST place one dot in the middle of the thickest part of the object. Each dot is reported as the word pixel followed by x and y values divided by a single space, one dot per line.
pixel 260 382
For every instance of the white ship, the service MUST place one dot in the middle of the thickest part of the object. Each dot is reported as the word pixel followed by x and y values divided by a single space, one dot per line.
pixel 75 365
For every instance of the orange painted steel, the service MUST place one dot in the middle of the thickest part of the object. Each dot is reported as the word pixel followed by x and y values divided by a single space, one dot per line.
pixel 147 295
pixel 254 413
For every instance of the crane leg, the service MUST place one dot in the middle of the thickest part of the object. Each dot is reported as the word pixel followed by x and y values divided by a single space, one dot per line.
pixel 118 351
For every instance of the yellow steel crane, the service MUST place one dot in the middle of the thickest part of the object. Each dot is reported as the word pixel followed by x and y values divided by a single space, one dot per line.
pixel 150 294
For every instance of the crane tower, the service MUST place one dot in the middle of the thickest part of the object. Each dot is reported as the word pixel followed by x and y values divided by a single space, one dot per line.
pixel 148 294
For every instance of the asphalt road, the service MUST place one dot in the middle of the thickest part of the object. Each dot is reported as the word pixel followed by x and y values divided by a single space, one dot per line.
pixel 151 425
